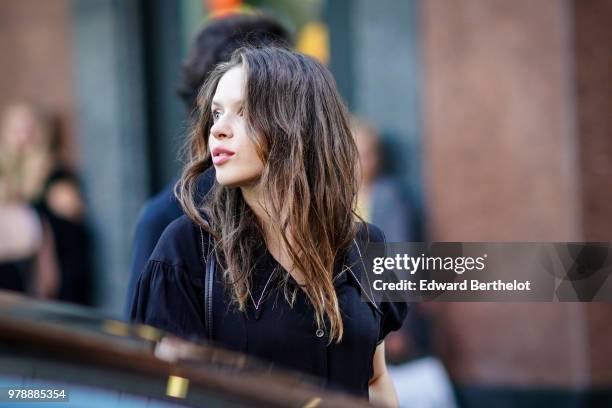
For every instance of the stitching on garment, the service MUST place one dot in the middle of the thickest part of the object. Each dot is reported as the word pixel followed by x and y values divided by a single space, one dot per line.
pixel 362 289
pixel 371 299
pixel 365 272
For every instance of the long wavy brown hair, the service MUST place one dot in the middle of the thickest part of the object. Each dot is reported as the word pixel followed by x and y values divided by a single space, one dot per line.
pixel 300 128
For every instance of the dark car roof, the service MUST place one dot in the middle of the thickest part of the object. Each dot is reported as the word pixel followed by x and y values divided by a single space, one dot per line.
pixel 62 343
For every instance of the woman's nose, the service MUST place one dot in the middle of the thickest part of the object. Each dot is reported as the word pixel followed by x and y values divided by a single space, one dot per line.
pixel 221 129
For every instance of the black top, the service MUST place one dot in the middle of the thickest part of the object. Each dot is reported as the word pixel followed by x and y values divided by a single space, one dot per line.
pixel 157 213
pixel 72 243
pixel 169 296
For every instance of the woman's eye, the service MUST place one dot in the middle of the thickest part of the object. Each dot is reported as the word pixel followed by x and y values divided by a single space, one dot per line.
pixel 216 115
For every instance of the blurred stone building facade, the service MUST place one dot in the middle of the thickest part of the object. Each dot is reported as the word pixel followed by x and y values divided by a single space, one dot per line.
pixel 518 147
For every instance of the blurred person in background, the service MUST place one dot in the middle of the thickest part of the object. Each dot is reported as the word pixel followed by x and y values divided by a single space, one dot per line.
pixel 421 380
pixel 20 241
pixel 380 202
pixel 215 43
pixel 27 261
pixel 41 205
pixel 380 199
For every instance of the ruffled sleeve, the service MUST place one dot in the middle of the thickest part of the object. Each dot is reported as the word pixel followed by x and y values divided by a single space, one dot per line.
pixel 393 317
pixel 166 300
pixel 393 313
pixel 168 294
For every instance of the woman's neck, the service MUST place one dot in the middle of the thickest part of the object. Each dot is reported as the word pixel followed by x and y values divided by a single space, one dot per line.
pixel 253 196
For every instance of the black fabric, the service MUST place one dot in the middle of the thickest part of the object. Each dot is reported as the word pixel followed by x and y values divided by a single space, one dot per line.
pixel 209 281
pixel 169 295
pixel 154 217
pixel 14 275
pixel 72 245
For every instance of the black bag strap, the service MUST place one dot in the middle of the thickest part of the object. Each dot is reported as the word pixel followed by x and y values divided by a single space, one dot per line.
pixel 210 266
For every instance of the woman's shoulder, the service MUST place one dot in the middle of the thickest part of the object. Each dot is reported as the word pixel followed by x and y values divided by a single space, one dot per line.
pixel 180 243
pixel 168 294
pixel 356 252
pixel 367 233
pixel 393 314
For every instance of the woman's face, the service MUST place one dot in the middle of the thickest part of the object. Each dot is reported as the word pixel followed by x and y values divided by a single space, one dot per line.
pixel 233 152
pixel 20 130
pixel 369 154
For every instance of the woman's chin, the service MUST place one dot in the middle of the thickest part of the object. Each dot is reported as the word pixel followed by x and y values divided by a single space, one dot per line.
pixel 224 182
pixel 227 181
pixel 235 182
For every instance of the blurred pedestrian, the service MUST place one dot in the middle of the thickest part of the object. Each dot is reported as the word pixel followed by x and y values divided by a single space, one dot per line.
pixel 44 198
pixel 380 200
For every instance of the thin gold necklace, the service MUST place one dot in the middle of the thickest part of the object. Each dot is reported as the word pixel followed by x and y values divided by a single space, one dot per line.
pixel 263 292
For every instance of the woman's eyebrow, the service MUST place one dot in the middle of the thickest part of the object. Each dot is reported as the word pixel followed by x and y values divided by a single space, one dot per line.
pixel 237 103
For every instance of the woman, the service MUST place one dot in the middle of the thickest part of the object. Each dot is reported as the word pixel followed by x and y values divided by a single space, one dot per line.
pixel 34 177
pixel 279 223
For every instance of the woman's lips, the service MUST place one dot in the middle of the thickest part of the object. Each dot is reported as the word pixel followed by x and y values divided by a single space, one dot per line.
pixel 220 159
pixel 220 155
